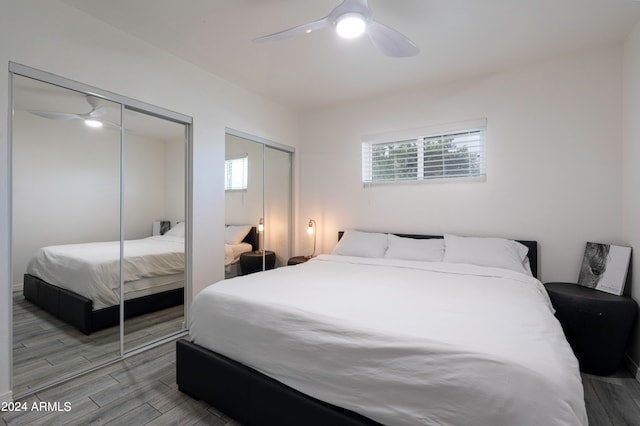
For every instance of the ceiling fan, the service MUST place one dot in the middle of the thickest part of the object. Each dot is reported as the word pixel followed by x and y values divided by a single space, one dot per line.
pixel 352 18
pixel 91 118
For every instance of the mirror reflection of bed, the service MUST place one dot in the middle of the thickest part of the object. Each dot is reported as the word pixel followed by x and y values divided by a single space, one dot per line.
pixel 238 239
pixel 66 226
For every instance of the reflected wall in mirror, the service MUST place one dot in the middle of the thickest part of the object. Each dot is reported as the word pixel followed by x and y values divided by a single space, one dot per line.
pixel 258 214
pixel 94 205
pixel 277 203
pixel 154 231
pixel 244 206
pixel 66 204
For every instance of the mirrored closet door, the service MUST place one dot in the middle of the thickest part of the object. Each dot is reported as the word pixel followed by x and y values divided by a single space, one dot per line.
pixel 100 196
pixel 258 204
pixel 277 203
pixel 154 193
pixel 66 197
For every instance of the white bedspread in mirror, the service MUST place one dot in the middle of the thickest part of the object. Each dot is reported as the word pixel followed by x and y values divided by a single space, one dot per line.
pixel 92 270
pixel 232 252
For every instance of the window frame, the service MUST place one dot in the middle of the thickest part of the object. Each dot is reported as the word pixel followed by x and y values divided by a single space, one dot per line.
pixel 418 137
pixel 228 172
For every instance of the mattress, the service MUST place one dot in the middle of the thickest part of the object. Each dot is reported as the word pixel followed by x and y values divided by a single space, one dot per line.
pixel 92 270
pixel 232 252
pixel 154 285
pixel 401 342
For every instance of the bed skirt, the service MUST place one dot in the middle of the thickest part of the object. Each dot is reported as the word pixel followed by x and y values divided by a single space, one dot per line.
pixel 249 396
pixel 78 311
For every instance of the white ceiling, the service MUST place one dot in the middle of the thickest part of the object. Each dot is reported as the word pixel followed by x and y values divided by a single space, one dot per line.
pixel 458 39
pixel 33 95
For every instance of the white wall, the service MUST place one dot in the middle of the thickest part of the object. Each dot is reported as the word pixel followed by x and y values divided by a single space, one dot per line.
pixel 246 207
pixel 51 36
pixel 631 173
pixel 154 183
pixel 553 161
pixel 66 185
pixel 174 165
pixel 277 204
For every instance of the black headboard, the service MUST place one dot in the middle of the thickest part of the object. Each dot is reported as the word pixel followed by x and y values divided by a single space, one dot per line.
pixel 252 238
pixel 531 245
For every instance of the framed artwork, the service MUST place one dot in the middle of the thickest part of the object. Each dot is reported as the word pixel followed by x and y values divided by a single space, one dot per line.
pixel 604 267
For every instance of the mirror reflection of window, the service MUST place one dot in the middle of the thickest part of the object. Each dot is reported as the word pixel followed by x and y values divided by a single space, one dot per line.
pixel 236 172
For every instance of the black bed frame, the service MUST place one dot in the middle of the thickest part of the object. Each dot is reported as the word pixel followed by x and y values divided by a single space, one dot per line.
pixel 252 238
pixel 77 310
pixel 250 397
pixel 253 398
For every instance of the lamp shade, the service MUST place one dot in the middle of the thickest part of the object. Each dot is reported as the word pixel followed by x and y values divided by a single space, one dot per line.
pixel 311 230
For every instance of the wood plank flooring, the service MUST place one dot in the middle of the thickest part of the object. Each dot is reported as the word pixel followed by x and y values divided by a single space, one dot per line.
pixel 142 390
pixel 46 348
pixel 138 390
pixel 612 400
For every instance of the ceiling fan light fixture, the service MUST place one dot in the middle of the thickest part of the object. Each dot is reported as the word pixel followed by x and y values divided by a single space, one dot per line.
pixel 350 25
pixel 93 123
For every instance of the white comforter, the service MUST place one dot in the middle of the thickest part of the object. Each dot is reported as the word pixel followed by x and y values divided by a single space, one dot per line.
pixel 93 269
pixel 401 342
pixel 232 252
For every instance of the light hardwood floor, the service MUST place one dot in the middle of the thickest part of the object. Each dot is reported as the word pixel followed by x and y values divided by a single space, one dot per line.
pixel 142 390
pixel 45 348
pixel 135 391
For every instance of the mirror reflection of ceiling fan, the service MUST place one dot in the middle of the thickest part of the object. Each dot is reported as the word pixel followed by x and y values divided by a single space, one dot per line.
pixel 93 118
pixel 351 19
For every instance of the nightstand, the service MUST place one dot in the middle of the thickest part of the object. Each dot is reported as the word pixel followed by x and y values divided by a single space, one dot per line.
pixel 296 260
pixel 251 262
pixel 596 324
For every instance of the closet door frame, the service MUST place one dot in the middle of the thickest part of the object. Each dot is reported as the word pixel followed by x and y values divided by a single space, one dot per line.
pixel 125 103
pixel 281 147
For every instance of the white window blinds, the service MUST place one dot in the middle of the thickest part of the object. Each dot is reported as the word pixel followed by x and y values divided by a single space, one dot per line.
pixel 444 155
pixel 236 173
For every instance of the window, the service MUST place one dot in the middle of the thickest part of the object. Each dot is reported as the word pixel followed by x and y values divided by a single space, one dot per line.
pixel 428 154
pixel 236 173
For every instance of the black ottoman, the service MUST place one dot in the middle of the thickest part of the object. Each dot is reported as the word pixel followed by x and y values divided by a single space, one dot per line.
pixel 251 262
pixel 596 324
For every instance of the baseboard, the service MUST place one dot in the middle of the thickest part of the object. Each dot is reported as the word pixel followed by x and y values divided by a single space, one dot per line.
pixel 17 287
pixel 632 366
pixel 6 397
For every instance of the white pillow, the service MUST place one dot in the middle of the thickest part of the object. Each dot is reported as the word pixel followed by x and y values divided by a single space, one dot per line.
pixel 177 230
pixel 234 234
pixel 428 250
pixel 494 252
pixel 362 244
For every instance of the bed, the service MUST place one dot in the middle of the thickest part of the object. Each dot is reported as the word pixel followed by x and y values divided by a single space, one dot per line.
pixel 238 239
pixel 80 283
pixel 444 333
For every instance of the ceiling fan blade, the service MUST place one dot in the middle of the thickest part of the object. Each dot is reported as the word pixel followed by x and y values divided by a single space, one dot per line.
pixel 56 115
pixel 93 101
pixel 95 113
pixel 389 41
pixel 296 31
